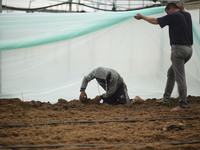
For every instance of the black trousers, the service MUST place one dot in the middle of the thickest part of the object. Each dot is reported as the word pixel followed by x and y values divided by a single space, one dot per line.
pixel 119 97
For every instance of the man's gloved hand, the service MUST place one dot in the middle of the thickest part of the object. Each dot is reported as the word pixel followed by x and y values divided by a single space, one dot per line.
pixel 83 97
pixel 96 100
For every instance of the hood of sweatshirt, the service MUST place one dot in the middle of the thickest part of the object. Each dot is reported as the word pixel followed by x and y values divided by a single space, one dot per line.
pixel 101 73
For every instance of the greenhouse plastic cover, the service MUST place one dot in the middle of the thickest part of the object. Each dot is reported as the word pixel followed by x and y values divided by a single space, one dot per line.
pixel 45 56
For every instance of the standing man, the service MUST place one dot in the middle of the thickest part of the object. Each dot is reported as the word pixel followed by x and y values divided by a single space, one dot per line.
pixel 181 40
pixel 111 81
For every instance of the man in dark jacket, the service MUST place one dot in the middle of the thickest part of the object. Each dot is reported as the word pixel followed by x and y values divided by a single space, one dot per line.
pixel 181 40
pixel 111 81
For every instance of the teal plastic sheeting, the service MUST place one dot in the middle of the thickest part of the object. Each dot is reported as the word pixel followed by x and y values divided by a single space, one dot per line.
pixel 45 56
pixel 27 30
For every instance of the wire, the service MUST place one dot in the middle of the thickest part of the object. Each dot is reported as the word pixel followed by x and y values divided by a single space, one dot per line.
pixel 103 121
pixel 96 145
pixel 63 122
pixel 187 118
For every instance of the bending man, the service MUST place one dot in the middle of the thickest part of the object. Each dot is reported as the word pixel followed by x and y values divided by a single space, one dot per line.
pixel 111 81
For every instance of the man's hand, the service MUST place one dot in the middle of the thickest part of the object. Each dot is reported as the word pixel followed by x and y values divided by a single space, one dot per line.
pixel 83 97
pixel 96 100
pixel 138 16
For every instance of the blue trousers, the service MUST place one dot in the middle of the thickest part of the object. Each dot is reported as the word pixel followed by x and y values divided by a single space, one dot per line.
pixel 180 54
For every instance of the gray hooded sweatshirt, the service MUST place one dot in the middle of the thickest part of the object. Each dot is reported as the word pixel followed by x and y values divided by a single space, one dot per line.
pixel 112 80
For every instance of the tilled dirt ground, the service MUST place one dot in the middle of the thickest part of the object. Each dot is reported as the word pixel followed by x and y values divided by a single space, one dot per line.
pixel 39 125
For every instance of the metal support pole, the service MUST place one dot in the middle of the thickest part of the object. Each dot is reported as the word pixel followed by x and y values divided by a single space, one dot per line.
pixel 0 6
pixel 70 5
pixel 29 6
pixel 0 57
pixel 1 82
pixel 0 73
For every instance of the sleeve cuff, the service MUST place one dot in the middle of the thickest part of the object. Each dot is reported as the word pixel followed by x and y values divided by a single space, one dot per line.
pixel 82 89
pixel 101 96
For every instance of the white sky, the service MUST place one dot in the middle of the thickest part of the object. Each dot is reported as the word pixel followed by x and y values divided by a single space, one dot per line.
pixel 119 3
pixel 40 3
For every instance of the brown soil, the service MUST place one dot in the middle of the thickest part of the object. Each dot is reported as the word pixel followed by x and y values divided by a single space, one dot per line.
pixel 142 134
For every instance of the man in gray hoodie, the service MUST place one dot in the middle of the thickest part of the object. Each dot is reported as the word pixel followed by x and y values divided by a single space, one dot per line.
pixel 111 81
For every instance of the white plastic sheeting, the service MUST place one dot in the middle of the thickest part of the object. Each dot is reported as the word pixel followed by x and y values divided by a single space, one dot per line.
pixel 54 69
